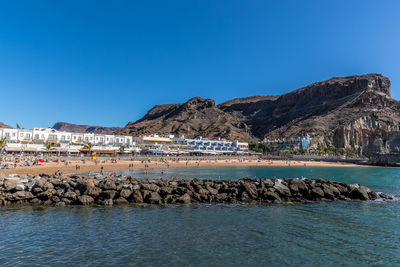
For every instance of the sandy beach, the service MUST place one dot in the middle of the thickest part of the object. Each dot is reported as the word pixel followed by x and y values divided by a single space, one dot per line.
pixel 90 166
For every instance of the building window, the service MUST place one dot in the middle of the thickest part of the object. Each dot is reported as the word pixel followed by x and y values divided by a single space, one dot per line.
pixel 36 136
pixel 7 135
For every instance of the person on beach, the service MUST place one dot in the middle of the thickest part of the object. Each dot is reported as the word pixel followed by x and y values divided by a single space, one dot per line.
pixel 102 170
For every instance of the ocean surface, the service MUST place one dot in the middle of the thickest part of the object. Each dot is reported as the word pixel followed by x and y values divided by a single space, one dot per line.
pixel 319 234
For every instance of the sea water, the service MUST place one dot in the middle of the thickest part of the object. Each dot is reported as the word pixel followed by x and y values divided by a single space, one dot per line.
pixel 319 234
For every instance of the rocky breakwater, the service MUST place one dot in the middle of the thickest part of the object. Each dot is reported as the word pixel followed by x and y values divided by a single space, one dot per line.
pixel 77 190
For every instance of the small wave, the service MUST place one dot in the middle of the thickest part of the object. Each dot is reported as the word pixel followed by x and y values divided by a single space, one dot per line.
pixel 387 197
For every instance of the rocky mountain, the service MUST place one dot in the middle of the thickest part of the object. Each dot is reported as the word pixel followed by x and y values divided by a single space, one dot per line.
pixel 2 125
pixel 69 127
pixel 354 111
pixel 196 117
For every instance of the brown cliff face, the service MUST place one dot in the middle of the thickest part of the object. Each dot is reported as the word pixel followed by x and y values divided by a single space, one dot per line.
pixel 196 117
pixel 69 127
pixel 354 111
pixel 304 110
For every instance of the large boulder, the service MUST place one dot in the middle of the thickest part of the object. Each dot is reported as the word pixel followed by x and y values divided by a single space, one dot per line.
pixel 185 199
pixel 85 200
pixel 70 195
pixel 251 189
pixel 11 183
pixel 360 193
pixel 268 182
pixel 22 195
pixel 47 186
pixel 328 192
pixel 93 192
pixel 120 201
pixel 150 187
pixel 270 195
pixel 19 187
pixel 108 194
pixel 281 188
pixel 46 195
pixel 153 198
pixel 316 193
pixel 212 190
pixel 298 186
pixel 125 193
pixel 108 185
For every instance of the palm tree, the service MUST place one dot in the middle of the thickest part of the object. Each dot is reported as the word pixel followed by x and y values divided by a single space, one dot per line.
pixel 89 147
pixel 121 149
pixel 49 146
pixel 2 143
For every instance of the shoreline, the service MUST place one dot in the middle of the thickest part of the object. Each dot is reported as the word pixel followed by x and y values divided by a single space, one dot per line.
pixel 89 166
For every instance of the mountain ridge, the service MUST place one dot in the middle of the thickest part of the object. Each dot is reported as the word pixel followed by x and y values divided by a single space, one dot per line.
pixel 77 128
pixel 353 111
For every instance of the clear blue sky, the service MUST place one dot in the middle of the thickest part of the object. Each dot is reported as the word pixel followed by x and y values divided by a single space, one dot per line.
pixel 108 62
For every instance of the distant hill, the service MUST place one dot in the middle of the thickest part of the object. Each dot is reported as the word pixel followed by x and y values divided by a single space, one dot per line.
pixel 196 117
pixel 69 127
pixel 2 125
pixel 354 111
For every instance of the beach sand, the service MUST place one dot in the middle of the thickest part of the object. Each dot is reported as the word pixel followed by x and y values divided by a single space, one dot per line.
pixel 89 166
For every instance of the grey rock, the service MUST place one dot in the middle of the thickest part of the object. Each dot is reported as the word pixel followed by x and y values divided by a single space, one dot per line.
pixel 108 194
pixel 70 195
pixel 85 200
pixel 153 198
pixel 136 197
pixel 360 193
pixel 125 193
pixel 317 192
pixel 185 199
pixel 120 201
pixel 151 187
pixel 19 187
pixel 60 204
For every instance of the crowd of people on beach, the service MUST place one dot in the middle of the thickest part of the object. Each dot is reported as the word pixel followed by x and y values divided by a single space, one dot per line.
pixel 141 162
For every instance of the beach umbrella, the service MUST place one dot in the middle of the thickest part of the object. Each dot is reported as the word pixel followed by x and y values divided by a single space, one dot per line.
pixel 112 174
pixel 41 160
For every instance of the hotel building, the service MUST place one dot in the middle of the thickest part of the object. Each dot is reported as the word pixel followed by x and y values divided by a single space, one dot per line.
pixel 35 140
pixel 180 145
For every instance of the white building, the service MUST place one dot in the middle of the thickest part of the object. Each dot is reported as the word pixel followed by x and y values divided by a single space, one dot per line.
pixel 201 144
pixel 34 141
pixel 172 145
